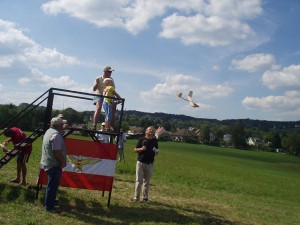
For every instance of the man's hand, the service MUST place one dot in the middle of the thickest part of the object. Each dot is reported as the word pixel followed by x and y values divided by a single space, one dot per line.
pixel 156 150
pixel 3 148
pixel 64 164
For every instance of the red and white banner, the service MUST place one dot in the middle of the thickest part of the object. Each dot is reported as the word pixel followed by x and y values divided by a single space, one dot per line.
pixel 90 165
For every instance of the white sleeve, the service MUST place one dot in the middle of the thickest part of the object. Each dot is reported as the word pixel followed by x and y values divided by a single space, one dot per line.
pixel 56 141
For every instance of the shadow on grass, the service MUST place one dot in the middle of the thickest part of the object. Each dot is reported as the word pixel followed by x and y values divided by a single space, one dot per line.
pixel 164 214
pixel 93 212
pixel 96 212
pixel 14 192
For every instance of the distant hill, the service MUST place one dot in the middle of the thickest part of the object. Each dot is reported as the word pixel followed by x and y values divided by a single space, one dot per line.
pixel 248 123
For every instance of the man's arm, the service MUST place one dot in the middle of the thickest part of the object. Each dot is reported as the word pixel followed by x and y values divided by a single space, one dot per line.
pixel 116 94
pixel 59 156
pixel 96 84
pixel 138 150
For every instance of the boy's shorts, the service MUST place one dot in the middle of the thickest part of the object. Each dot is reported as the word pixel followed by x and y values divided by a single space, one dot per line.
pixel 108 111
pixel 23 158
pixel 97 99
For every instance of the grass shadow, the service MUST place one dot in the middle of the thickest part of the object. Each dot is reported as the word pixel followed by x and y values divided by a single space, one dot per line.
pixel 10 193
pixel 93 212
pixel 88 212
pixel 96 212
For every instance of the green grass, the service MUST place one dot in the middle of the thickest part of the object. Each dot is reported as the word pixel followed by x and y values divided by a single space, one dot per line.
pixel 192 184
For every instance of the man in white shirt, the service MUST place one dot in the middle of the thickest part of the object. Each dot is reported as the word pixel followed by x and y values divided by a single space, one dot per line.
pixel 98 87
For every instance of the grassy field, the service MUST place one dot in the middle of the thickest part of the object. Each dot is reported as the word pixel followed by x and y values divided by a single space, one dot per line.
pixel 192 184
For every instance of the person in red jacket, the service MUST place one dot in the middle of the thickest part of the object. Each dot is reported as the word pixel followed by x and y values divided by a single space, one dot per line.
pixel 16 136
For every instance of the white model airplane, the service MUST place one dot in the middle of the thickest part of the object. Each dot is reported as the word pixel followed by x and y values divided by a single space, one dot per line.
pixel 190 100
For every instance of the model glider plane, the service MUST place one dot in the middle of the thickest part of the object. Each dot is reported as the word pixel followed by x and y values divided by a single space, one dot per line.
pixel 189 99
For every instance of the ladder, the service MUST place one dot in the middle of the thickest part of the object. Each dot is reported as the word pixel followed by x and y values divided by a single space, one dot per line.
pixel 27 141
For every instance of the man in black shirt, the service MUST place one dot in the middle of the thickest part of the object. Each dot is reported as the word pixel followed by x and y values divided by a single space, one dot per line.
pixel 147 149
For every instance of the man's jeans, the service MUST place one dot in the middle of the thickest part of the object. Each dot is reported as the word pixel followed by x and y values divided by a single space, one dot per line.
pixel 54 175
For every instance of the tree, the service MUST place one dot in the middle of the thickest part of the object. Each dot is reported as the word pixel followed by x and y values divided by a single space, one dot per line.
pixel 125 126
pixel 167 125
pixel 238 135
pixel 292 143
pixel 219 133
pixel 276 141
pixel 7 112
pixel 146 121
pixel 206 134
pixel 134 120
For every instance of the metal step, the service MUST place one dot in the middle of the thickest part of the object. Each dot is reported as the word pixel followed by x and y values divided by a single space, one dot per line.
pixel 12 153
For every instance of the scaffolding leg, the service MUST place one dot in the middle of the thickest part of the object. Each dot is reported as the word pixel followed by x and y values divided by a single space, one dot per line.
pixel 39 184
pixel 108 201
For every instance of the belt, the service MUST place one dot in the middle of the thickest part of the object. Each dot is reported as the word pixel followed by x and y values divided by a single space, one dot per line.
pixel 146 163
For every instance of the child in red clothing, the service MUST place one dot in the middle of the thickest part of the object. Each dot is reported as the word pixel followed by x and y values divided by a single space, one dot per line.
pixel 16 136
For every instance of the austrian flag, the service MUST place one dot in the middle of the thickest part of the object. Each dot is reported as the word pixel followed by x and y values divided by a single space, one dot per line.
pixel 90 165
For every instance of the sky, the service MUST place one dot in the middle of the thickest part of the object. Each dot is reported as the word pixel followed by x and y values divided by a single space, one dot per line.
pixel 241 58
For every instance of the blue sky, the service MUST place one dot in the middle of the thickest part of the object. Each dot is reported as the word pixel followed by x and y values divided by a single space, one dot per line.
pixel 241 58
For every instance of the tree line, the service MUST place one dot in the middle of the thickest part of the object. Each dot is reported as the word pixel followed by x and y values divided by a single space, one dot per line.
pixel 283 135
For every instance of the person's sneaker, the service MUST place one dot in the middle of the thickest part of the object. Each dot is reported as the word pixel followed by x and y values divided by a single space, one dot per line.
pixel 135 200
pixel 145 199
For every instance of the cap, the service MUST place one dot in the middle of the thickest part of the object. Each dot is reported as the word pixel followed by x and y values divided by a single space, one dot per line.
pixel 103 124
pixel 57 121
pixel 60 116
pixel 107 69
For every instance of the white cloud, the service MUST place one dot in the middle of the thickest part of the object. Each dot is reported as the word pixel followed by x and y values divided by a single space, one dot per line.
pixel 289 103
pixel 213 23
pixel 132 16
pixel 253 63
pixel 244 9
pixel 216 23
pixel 283 106
pixel 24 80
pixel 216 68
pixel 213 31
pixel 39 77
pixel 37 82
pixel 38 55
pixel 288 77
pixel 215 91
pixel 166 91
pixel 16 47
pixel 6 61
pixel 12 39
